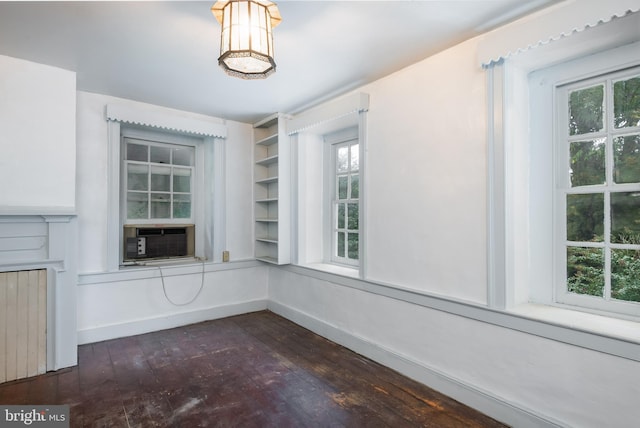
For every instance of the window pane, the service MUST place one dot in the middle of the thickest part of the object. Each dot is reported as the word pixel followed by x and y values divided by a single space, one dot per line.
pixel 137 205
pixel 160 178
pixel 342 187
pixel 341 216
pixel 160 154
pixel 137 152
pixel 181 180
pixel 181 206
pixel 585 271
pixel 355 186
pixel 342 159
pixel 341 244
pixel 355 157
pixel 352 214
pixel 160 205
pixel 586 107
pixel 585 217
pixel 625 275
pixel 137 177
pixel 626 102
pixel 625 217
pixel 183 156
pixel 353 246
pixel 626 159
pixel 587 162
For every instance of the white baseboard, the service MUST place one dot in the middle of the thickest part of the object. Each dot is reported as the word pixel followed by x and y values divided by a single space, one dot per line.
pixel 484 401
pixel 131 328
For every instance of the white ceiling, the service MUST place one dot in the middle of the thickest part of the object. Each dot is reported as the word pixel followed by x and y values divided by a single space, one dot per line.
pixel 165 53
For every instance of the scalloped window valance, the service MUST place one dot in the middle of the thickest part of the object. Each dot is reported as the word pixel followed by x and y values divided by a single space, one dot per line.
pixel 550 25
pixel 158 119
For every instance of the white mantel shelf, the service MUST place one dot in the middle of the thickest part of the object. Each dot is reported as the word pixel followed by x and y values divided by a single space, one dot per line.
pixel 37 211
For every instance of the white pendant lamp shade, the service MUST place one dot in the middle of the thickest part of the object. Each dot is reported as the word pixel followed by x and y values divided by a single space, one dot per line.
pixel 246 42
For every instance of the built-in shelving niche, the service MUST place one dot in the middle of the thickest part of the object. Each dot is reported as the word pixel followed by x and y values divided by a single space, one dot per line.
pixel 272 190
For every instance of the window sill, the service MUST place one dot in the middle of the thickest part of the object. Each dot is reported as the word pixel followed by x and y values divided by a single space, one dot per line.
pixel 351 272
pixel 132 273
pixel 178 261
pixel 615 328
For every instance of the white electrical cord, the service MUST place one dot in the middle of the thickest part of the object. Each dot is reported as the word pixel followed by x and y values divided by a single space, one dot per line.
pixel 164 288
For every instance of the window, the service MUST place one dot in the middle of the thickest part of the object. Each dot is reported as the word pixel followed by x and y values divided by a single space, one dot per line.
pixel 345 205
pixel 328 219
pixel 161 196
pixel 598 192
pixel 195 156
pixel 548 161
pixel 157 182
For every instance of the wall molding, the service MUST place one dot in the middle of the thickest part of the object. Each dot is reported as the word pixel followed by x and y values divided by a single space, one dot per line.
pixel 164 322
pixel 135 273
pixel 484 401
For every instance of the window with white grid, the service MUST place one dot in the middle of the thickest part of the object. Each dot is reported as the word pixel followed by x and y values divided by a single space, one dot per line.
pixel 346 202
pixel 598 192
pixel 158 182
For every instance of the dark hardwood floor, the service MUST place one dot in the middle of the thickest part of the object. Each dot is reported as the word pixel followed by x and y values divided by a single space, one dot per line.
pixel 253 370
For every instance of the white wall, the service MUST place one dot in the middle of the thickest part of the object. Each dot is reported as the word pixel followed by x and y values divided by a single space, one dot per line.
pixel 521 379
pixel 92 180
pixel 37 135
pixel 239 190
pixel 127 303
pixel 426 168
pixel 38 191
pixel 114 304
pixel 426 230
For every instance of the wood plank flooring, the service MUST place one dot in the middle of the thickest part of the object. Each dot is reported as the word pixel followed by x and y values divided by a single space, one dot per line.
pixel 253 370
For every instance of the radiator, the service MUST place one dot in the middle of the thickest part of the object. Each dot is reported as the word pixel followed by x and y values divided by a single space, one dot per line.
pixel 23 324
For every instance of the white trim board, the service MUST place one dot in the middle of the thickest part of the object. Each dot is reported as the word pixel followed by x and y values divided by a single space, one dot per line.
pixel 134 273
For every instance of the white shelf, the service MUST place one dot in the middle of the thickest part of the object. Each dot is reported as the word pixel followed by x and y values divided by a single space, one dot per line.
pixel 268 141
pixel 267 180
pixel 272 157
pixel 269 240
pixel 267 161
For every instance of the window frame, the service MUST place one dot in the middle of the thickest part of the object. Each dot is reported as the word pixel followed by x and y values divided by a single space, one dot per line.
pixel 170 142
pixel 331 141
pixel 128 117
pixel 202 153
pixel 349 142
pixel 522 254
pixel 310 181
pixel 563 188
pixel 209 216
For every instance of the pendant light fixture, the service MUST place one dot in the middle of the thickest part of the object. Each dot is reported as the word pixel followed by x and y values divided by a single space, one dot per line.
pixel 246 42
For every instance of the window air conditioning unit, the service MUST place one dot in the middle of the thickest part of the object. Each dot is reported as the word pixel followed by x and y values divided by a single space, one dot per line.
pixel 158 242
